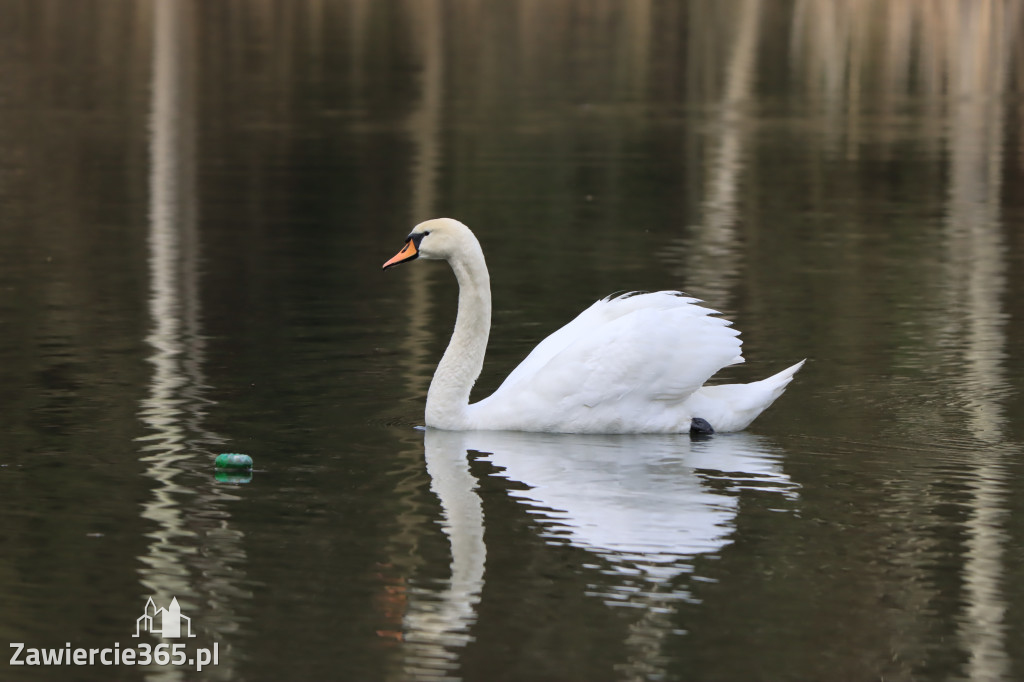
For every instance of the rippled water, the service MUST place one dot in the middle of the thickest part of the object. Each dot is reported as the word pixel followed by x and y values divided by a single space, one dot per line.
pixel 195 201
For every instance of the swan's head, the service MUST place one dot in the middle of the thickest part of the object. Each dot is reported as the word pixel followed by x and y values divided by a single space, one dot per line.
pixel 438 239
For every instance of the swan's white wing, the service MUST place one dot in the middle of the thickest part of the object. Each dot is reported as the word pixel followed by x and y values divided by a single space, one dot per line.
pixel 625 362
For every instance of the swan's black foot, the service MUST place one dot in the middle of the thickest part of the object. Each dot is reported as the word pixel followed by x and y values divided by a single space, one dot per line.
pixel 700 427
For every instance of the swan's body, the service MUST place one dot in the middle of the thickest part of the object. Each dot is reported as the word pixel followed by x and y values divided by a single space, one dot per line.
pixel 635 363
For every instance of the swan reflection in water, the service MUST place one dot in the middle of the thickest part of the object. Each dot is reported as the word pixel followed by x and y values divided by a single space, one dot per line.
pixel 644 505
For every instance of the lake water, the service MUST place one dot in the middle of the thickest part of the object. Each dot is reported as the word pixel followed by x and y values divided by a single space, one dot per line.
pixel 195 202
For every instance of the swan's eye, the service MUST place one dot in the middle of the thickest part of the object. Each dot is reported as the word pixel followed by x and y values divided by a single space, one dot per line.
pixel 426 233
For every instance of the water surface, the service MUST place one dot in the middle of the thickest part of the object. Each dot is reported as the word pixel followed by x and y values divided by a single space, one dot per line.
pixel 195 201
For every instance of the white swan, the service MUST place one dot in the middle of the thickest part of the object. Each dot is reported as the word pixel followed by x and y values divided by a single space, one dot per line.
pixel 635 363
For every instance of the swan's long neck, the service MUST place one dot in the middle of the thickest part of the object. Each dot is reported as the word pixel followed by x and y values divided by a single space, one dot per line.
pixel 448 396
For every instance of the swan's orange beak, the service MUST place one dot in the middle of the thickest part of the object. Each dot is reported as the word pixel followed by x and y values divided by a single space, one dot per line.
pixel 408 253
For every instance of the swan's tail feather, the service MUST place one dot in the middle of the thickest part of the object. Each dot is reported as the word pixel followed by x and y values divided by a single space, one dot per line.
pixel 778 382
pixel 732 407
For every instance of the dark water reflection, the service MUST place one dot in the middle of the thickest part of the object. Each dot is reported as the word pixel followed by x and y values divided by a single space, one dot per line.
pixel 195 199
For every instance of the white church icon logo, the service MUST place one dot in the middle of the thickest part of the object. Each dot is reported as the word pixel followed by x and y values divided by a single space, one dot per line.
pixel 163 622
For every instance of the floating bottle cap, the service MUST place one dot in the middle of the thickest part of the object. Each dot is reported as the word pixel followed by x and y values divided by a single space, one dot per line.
pixel 234 461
